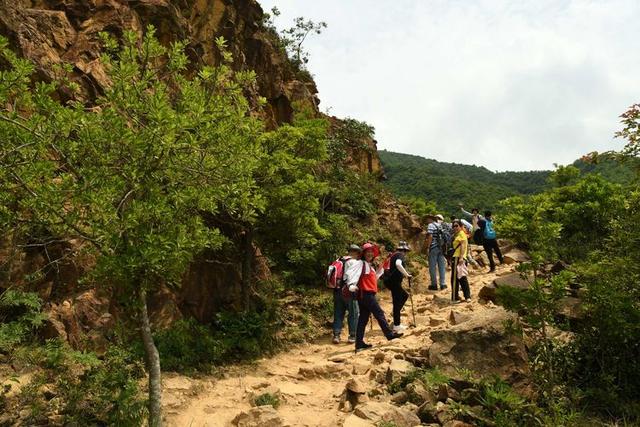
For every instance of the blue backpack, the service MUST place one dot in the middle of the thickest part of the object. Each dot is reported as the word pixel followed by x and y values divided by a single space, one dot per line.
pixel 489 231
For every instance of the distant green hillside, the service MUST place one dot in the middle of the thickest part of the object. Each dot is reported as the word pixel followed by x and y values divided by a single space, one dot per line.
pixel 447 184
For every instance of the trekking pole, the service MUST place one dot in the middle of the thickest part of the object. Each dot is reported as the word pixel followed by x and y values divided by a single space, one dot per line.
pixel 413 311
pixel 371 322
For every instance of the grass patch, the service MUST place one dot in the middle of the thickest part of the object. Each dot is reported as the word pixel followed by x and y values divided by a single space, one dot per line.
pixel 267 399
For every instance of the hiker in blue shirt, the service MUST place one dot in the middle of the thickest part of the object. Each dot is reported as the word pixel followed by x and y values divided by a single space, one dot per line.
pixel 490 242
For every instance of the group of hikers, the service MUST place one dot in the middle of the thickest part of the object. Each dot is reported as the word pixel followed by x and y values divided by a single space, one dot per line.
pixel 354 277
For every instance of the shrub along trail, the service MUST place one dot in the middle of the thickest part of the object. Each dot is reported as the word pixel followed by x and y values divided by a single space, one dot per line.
pixel 309 380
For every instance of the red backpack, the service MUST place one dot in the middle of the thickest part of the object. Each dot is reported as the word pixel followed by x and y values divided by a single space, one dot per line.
pixel 336 272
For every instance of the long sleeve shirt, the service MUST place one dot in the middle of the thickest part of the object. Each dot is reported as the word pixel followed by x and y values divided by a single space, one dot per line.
pixel 400 267
pixel 474 218
pixel 353 270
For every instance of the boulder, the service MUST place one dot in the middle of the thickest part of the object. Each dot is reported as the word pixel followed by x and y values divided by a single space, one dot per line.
pixel 400 397
pixel 260 416
pixel 514 280
pixel 356 386
pixel 379 411
pixel 427 412
pixel 445 391
pixel 455 317
pixel 354 394
pixel 482 345
pixel 515 256
pixel 418 394
pixel 398 369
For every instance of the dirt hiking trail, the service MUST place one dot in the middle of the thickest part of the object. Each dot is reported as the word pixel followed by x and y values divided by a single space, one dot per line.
pixel 310 379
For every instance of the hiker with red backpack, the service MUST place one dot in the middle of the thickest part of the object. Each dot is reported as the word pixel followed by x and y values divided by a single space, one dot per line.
pixel 335 280
pixel 394 273
pixel 364 284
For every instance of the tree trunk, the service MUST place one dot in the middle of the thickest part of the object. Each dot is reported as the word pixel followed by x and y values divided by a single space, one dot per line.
pixel 153 365
pixel 247 266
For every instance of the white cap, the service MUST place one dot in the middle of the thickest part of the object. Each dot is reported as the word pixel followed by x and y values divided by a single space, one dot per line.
pixel 440 217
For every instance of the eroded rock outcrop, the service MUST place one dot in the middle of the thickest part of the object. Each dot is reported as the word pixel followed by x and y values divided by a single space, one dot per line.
pixel 483 345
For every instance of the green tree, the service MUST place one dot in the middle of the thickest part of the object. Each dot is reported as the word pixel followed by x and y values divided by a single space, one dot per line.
pixel 133 175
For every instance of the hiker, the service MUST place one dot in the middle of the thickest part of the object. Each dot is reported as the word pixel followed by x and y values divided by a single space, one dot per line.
pixel 393 281
pixel 490 241
pixel 341 305
pixel 364 284
pixel 474 215
pixel 458 264
pixel 437 261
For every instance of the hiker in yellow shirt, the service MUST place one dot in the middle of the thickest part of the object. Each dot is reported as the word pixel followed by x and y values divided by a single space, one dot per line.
pixel 458 264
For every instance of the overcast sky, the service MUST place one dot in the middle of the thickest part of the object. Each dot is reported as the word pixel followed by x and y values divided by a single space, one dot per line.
pixel 510 85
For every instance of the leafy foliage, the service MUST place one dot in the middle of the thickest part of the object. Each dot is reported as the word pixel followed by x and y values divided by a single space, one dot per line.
pixel 590 222
pixel 432 378
pixel 267 399
pixel 20 317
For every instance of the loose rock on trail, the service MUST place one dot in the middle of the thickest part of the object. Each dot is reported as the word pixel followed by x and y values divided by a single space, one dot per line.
pixel 322 384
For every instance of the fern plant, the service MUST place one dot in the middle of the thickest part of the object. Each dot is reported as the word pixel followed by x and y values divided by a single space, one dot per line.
pixel 20 317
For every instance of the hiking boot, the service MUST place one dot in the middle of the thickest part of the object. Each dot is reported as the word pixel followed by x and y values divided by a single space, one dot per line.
pixel 336 339
pixel 432 288
pixel 456 301
pixel 467 300
pixel 443 288
pixel 351 340
pixel 399 328
pixel 363 346
pixel 395 335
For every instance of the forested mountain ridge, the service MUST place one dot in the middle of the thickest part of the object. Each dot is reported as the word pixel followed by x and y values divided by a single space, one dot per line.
pixel 448 184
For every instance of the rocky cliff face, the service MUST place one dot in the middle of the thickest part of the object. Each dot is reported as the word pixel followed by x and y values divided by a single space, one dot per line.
pixel 53 31
pixel 50 32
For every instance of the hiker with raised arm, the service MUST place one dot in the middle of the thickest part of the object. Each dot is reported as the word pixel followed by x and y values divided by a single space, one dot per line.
pixel 393 278
pixel 474 216
pixel 458 264
pixel 335 280
pixel 490 240
pixel 435 244
pixel 364 284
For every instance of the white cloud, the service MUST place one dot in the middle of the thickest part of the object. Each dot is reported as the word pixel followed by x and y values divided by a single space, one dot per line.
pixel 510 85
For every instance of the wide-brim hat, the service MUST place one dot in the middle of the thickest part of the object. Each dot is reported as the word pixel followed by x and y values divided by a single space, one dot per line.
pixel 369 245
pixel 403 246
pixel 440 217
